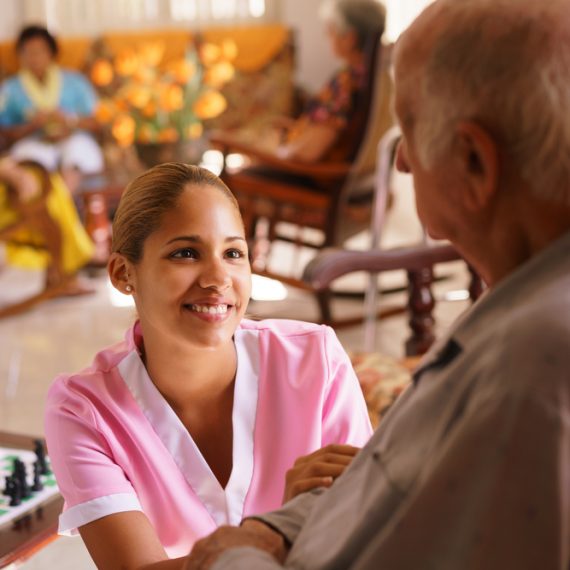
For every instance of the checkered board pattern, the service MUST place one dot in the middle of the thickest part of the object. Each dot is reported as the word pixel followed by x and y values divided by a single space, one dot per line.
pixel 7 456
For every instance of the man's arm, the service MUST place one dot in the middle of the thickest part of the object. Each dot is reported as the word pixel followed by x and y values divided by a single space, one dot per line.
pixel 260 542
pixel 289 519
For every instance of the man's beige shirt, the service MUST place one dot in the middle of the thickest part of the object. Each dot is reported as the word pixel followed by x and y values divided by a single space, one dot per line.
pixel 471 467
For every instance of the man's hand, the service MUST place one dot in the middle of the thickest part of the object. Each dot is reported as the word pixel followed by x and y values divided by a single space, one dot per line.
pixel 251 533
pixel 319 469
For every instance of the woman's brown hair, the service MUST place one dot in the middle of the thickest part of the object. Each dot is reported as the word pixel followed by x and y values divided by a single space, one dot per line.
pixel 149 196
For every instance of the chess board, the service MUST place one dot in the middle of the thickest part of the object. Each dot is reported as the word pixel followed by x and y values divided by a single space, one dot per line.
pixel 8 513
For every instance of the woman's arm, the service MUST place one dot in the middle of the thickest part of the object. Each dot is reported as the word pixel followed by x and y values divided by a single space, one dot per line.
pixel 345 425
pixel 101 501
pixel 126 541
pixel 16 132
pixel 311 143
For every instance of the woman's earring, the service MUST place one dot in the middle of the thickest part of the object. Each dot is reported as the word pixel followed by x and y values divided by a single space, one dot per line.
pixel 128 288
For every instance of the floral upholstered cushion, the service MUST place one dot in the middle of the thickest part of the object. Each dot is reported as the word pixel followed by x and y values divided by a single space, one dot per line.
pixel 382 380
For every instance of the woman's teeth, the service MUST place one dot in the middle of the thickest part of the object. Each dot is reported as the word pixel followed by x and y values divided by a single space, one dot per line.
pixel 212 309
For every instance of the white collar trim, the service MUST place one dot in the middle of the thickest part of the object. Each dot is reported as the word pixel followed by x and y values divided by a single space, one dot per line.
pixel 224 505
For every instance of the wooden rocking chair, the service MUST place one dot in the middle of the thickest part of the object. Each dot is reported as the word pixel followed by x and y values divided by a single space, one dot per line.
pixel 331 197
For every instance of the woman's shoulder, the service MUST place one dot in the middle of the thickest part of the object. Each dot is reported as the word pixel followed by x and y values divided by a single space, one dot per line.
pixel 12 82
pixel 283 327
pixel 91 377
pixel 71 76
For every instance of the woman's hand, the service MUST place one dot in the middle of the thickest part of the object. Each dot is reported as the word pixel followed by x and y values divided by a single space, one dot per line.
pixel 318 469
pixel 39 119
pixel 58 126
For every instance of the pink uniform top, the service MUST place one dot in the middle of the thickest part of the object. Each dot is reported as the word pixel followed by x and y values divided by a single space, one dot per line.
pixel 116 445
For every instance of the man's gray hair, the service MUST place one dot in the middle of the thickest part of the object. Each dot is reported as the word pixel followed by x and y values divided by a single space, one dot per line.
pixel 504 64
pixel 365 17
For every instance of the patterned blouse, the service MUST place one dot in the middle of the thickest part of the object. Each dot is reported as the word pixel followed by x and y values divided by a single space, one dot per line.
pixel 334 103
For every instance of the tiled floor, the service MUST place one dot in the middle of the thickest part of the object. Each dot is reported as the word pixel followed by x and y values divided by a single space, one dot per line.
pixel 62 335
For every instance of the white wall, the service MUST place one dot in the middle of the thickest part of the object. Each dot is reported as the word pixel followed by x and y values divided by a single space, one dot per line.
pixel 315 60
pixel 91 17
pixel 400 15
pixel 11 18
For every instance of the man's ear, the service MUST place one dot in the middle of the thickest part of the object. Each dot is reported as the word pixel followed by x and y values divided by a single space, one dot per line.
pixel 121 273
pixel 478 157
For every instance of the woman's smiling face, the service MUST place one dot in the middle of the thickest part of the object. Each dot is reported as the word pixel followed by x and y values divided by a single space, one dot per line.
pixel 194 279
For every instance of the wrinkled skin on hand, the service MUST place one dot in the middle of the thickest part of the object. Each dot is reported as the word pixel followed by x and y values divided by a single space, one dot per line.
pixel 251 533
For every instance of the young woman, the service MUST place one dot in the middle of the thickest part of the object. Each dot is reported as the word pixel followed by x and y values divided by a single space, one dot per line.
pixel 199 417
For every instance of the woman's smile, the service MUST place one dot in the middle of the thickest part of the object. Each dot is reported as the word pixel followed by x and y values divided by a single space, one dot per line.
pixel 194 280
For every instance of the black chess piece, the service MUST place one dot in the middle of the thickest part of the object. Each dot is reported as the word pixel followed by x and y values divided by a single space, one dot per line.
pixel 38 485
pixel 14 490
pixel 22 477
pixel 6 490
pixel 40 452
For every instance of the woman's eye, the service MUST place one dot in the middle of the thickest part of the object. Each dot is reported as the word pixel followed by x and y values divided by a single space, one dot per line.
pixel 185 253
pixel 235 254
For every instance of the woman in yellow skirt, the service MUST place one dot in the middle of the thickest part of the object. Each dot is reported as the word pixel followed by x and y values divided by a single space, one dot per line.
pixel 41 228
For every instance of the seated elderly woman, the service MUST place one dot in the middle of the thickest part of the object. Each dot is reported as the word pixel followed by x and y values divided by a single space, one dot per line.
pixel 318 133
pixel 41 229
pixel 46 112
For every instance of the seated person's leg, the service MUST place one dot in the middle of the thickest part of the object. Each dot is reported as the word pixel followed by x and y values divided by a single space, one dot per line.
pixel 79 154
pixel 32 148
pixel 77 248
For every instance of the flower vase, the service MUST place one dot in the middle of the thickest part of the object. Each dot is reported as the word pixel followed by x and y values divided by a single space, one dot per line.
pixel 152 154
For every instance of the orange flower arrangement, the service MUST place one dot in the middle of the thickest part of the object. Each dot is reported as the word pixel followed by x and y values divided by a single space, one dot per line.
pixel 148 101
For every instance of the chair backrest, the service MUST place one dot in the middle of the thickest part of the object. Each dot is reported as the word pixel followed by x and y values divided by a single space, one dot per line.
pixel 360 182
pixel 363 99
pixel 380 117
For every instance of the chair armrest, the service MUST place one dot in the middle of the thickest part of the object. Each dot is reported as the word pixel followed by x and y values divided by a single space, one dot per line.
pixel 228 142
pixel 331 264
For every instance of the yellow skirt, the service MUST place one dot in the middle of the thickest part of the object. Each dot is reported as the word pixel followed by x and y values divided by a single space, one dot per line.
pixel 77 247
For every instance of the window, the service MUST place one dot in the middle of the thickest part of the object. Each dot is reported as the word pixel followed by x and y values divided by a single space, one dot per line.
pixel 204 10
pixel 86 17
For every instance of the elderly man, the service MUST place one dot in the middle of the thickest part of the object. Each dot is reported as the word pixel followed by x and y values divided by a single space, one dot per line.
pixel 471 467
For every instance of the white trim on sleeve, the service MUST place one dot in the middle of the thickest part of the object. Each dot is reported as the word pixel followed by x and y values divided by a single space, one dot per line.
pixel 71 519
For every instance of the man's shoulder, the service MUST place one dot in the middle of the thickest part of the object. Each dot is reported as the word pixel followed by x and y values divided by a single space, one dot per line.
pixel 526 349
pixel 543 311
